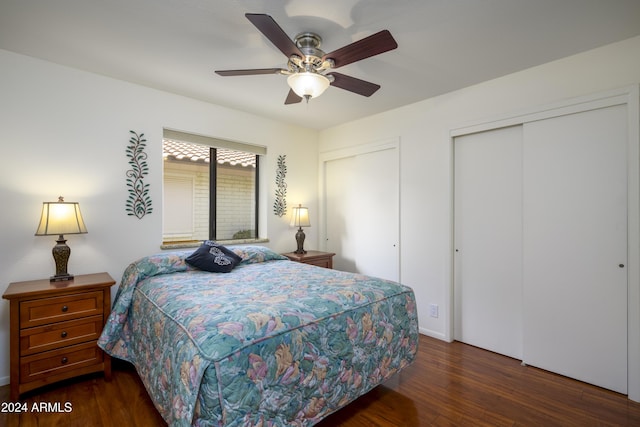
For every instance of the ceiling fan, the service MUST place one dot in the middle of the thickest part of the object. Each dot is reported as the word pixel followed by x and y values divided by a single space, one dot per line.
pixel 308 67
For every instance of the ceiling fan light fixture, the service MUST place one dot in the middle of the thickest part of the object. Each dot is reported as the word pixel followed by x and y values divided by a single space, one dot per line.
pixel 307 84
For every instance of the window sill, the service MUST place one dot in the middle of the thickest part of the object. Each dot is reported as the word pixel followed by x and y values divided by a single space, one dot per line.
pixel 197 243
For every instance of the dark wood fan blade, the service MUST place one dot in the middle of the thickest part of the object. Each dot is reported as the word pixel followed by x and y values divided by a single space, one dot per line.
pixel 352 84
pixel 375 44
pixel 275 34
pixel 292 98
pixel 250 72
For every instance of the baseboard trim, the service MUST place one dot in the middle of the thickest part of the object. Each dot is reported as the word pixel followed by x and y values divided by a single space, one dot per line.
pixel 432 334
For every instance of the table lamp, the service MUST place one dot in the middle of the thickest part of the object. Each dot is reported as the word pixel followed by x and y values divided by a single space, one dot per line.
pixel 300 218
pixel 60 218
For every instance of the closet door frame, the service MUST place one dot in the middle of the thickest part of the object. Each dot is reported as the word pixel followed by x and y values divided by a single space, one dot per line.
pixel 630 97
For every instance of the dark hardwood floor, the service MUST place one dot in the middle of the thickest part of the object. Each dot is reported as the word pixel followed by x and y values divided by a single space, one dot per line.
pixel 448 385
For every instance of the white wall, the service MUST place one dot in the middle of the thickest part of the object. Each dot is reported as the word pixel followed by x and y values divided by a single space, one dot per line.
pixel 426 154
pixel 64 132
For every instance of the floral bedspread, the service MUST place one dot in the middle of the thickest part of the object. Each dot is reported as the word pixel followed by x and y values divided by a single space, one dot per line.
pixel 272 343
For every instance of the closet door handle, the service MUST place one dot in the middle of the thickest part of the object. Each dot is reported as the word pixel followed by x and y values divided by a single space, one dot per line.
pixel 621 265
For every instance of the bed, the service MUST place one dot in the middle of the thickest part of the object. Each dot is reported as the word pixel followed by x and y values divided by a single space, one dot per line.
pixel 271 343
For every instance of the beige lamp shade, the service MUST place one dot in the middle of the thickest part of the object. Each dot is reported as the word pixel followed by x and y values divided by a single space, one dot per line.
pixel 61 218
pixel 300 217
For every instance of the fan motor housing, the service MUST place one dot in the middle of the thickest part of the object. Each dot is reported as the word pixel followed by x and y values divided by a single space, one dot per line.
pixel 309 44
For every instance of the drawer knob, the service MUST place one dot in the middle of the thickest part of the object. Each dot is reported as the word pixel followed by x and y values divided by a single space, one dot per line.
pixel 64 360
pixel 65 308
pixel 63 334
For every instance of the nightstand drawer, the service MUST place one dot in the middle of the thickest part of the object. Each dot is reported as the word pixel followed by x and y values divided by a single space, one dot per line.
pixel 326 262
pixel 56 335
pixel 55 362
pixel 57 309
pixel 317 258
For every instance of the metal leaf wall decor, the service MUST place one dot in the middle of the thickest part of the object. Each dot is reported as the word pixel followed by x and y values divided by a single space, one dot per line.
pixel 280 205
pixel 139 201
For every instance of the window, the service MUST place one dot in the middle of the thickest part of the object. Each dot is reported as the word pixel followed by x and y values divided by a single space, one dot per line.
pixel 204 199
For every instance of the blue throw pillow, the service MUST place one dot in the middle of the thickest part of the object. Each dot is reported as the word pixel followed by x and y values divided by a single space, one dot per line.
pixel 213 257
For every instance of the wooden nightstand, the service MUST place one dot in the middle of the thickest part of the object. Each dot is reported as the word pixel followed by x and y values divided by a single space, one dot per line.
pixel 321 259
pixel 54 330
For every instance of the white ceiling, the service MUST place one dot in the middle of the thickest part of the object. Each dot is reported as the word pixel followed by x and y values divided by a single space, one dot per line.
pixel 443 45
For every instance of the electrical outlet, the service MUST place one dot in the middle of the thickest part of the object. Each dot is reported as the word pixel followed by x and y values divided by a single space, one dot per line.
pixel 433 310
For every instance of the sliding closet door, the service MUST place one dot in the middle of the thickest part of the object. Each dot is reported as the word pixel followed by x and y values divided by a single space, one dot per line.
pixel 575 246
pixel 362 211
pixel 488 240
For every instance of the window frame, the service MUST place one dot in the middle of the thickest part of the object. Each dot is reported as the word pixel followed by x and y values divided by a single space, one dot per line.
pixel 214 144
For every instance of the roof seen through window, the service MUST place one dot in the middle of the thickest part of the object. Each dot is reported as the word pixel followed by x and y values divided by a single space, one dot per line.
pixel 177 150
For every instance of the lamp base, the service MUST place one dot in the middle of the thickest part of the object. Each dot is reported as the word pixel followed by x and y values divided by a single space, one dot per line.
pixel 61 254
pixel 300 240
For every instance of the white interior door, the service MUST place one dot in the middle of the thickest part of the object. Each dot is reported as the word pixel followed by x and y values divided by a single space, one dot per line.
pixel 575 246
pixel 488 240
pixel 362 212
pixel 340 187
